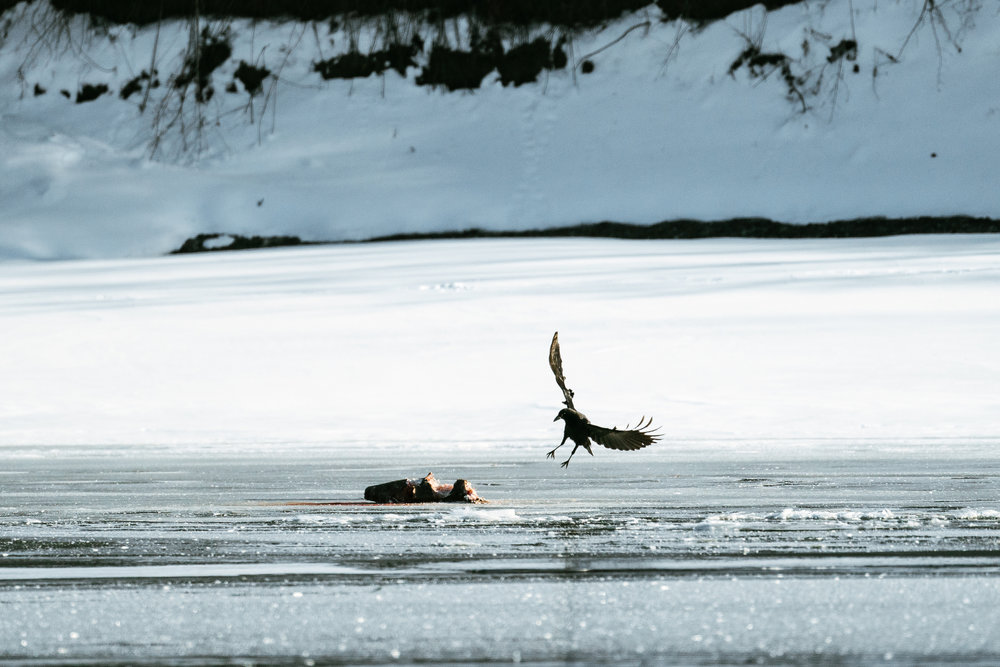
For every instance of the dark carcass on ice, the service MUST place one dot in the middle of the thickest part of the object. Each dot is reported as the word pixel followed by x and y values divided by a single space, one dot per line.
pixel 424 490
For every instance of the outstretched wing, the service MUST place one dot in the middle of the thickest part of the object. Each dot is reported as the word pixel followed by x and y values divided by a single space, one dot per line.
pixel 626 439
pixel 555 363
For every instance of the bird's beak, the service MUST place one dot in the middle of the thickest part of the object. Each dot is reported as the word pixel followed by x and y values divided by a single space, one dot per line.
pixel 556 419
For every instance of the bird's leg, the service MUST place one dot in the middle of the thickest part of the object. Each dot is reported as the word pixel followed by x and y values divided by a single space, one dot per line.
pixel 552 454
pixel 566 462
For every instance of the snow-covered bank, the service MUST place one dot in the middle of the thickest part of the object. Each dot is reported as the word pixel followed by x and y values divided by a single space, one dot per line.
pixel 446 342
pixel 659 130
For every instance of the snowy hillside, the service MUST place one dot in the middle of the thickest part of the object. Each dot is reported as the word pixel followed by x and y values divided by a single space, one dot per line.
pixel 807 113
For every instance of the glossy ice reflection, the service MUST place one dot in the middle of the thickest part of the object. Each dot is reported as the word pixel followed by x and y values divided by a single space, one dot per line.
pixel 694 555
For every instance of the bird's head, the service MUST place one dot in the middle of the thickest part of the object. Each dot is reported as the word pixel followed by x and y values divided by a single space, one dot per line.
pixel 562 415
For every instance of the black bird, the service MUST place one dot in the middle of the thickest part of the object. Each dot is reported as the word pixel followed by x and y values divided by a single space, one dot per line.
pixel 581 431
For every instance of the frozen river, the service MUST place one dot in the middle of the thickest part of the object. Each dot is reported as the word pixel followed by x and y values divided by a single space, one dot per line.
pixel 185 443
pixel 875 552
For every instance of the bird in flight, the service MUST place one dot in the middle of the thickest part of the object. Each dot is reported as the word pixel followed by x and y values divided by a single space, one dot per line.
pixel 581 431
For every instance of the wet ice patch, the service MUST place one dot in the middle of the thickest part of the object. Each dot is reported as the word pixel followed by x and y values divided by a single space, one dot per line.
pixel 972 514
pixel 176 571
pixel 842 516
pixel 831 516
pixel 718 522
pixel 876 518
pixel 394 517
pixel 732 517
pixel 324 519
pixel 457 544
pixel 483 515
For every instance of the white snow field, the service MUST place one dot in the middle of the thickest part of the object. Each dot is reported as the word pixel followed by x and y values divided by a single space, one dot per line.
pixel 447 341
pixel 827 490
pixel 660 130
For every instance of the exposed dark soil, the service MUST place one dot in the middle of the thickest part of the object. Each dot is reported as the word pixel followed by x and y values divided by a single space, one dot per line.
pixel 136 84
pixel 563 13
pixel 513 12
pixel 251 76
pixel 464 70
pixel 90 92
pixel 708 10
pixel 523 64
pixel 456 70
pixel 197 243
pixel 198 67
pixel 353 64
pixel 760 65
pixel 740 227
pixel 760 228
pixel 846 48
pixel 131 87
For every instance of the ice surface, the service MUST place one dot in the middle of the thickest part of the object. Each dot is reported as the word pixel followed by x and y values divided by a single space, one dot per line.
pixel 140 557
